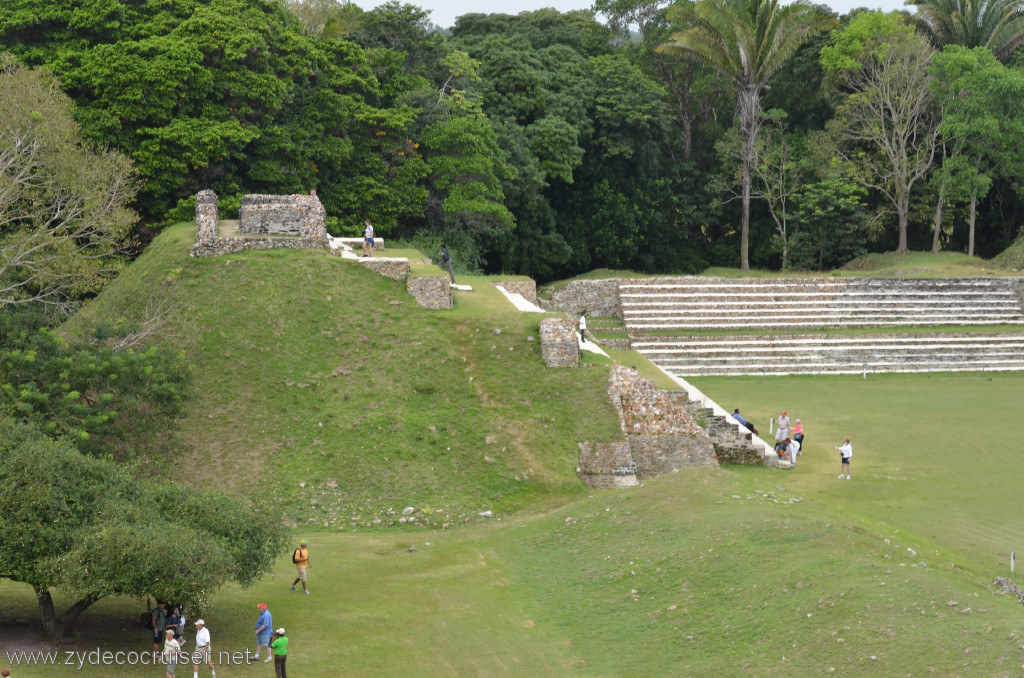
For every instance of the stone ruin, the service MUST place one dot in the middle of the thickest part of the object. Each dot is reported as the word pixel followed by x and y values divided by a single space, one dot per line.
pixel 264 222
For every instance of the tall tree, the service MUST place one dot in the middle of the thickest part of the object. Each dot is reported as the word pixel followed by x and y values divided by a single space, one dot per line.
pixel 64 213
pixel 746 41
pixel 982 123
pixel 886 126
pixel 995 24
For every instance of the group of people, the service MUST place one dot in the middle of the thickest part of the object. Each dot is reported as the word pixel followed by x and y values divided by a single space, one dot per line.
pixel 169 642
pixel 168 625
pixel 789 440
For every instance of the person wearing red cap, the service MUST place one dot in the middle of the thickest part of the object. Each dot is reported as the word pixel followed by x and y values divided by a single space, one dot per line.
pixel 264 627
pixel 783 431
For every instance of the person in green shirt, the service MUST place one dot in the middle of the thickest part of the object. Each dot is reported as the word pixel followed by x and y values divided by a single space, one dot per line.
pixel 280 647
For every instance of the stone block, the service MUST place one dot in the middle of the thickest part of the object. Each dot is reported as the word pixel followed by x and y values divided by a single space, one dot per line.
pixel 527 288
pixel 433 292
pixel 559 343
pixel 606 465
pixel 396 268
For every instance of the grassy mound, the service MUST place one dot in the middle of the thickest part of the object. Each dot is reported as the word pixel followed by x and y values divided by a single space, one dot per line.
pixel 1012 258
pixel 921 265
pixel 328 387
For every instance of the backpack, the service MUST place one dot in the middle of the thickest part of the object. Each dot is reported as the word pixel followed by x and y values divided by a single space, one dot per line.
pixel 295 556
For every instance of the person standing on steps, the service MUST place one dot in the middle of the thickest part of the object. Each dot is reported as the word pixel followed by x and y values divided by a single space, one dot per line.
pixel 583 325
pixel 368 239
pixel 845 453
pixel 301 559
pixel 280 647
pixel 204 650
pixel 264 627
pixel 446 261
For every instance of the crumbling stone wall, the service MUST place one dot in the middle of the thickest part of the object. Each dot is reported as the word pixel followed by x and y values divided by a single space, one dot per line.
pixel 396 269
pixel 596 297
pixel 527 288
pixel 654 454
pixel 559 343
pixel 311 230
pixel 646 409
pixel 297 215
pixel 606 465
pixel 433 292
pixel 206 218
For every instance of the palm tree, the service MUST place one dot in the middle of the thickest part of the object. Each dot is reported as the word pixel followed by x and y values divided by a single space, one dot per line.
pixel 746 41
pixel 996 24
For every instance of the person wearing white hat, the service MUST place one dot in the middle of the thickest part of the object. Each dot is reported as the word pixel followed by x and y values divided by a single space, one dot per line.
pixel 204 651
pixel 280 648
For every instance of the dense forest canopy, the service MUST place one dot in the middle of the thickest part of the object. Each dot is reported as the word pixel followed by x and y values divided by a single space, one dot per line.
pixel 550 143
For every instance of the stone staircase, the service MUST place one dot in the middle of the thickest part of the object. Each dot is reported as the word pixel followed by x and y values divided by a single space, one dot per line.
pixel 660 304
pixel 835 354
pixel 734 444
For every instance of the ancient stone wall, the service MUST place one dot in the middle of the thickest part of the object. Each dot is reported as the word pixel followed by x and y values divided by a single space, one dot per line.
pixel 559 343
pixel 298 215
pixel 732 444
pixel 646 409
pixel 206 218
pixel 527 288
pixel 654 454
pixel 396 269
pixel 606 465
pixel 433 292
pixel 311 232
pixel 596 297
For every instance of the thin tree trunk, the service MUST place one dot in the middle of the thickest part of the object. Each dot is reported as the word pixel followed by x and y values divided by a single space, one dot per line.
pixel 748 103
pixel 970 223
pixel 902 213
pixel 938 217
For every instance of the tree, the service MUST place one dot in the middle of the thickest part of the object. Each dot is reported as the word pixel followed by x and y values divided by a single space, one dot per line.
pixel 83 526
pixel 106 401
pixel 777 170
pixel 64 215
pixel 981 125
pixel 886 123
pixel 746 41
pixel 995 24
pixel 833 222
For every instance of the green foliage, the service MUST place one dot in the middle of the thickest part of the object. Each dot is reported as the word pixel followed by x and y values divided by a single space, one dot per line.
pixel 833 224
pixel 175 543
pixel 104 400
pixel 64 214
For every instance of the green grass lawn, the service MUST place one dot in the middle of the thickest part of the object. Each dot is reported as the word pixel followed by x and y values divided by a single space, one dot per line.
pixel 312 370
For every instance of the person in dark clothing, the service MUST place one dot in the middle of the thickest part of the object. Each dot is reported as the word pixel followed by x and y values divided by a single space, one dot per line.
pixel 446 261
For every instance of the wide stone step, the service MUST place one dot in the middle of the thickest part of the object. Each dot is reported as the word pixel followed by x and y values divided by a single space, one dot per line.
pixel 750 370
pixel 758 323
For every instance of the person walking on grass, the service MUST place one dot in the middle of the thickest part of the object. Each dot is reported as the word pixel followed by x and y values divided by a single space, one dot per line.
pixel 170 654
pixel 583 326
pixel 264 627
pixel 280 647
pixel 368 239
pixel 845 453
pixel 446 261
pixel 301 559
pixel 204 650
pixel 798 432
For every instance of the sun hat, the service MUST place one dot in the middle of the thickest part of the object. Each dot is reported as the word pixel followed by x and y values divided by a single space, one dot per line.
pixel 302 543
pixel 280 631
pixel 200 622
pixel 261 606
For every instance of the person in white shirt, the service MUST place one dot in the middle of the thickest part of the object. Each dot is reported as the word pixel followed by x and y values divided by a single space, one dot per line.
pixel 204 652
pixel 368 239
pixel 170 654
pixel 845 452
pixel 793 450
pixel 583 326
